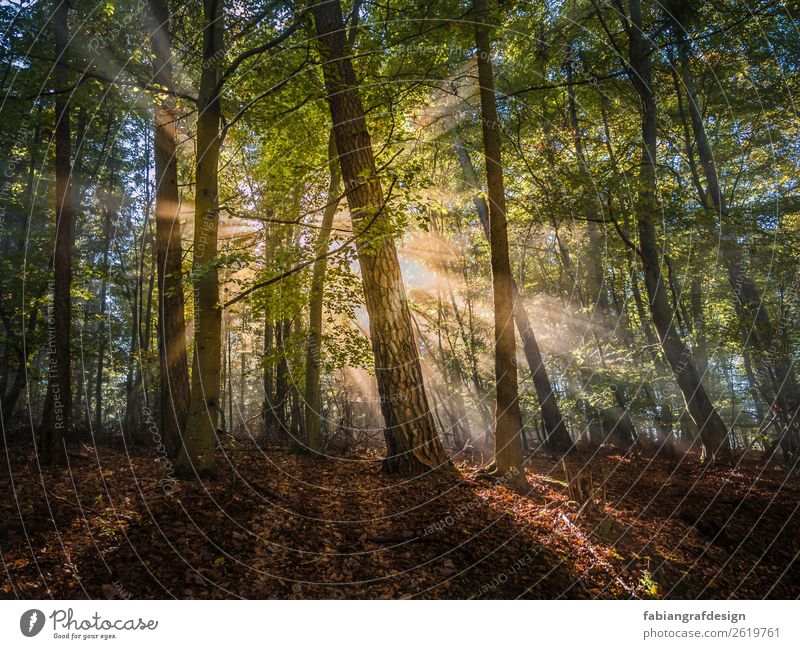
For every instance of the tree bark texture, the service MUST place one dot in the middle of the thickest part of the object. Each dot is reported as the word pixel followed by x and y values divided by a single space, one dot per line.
pixel 411 438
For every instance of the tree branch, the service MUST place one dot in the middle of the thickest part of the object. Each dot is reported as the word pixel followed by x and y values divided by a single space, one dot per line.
pixel 309 262
pixel 255 51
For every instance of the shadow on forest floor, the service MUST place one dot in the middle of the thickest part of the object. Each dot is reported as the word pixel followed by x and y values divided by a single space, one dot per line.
pixel 276 525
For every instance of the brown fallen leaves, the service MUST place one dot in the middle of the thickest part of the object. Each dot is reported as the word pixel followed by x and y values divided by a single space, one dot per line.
pixel 275 525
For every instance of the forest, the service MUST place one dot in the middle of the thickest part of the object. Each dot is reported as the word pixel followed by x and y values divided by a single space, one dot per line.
pixel 439 299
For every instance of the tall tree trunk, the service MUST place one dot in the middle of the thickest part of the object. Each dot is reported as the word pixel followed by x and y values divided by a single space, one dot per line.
pixel 662 410
pixel 598 295
pixel 467 332
pixel 713 431
pixel 283 331
pixel 131 418
pixel 774 370
pixel 229 379
pixel 268 410
pixel 450 369
pixel 222 424
pixel 110 210
pixel 199 437
pixel 242 384
pixel 698 323
pixel 508 419
pixel 77 192
pixel 313 399
pixel 411 438
pixel 666 378
pixel 296 412
pixel 58 402
pixel 137 397
pixel 557 437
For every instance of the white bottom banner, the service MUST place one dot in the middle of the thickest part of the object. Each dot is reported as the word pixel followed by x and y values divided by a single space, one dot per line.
pixel 399 624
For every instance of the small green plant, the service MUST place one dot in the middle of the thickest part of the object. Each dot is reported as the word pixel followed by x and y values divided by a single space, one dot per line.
pixel 649 585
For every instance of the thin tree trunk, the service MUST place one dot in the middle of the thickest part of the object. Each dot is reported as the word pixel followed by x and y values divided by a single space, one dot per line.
pixel 598 295
pixel 713 431
pixel 58 402
pixel 665 376
pixel 131 417
pixel 222 425
pixel 77 192
pixel 451 371
pixel 467 333
pixel 508 419
pixel 283 332
pixel 313 398
pixel 199 439
pixel 557 436
pixel 411 438
pixel 242 383
pixel 698 323
pixel 110 210
pixel 229 376
pixel 268 411
pixel 296 413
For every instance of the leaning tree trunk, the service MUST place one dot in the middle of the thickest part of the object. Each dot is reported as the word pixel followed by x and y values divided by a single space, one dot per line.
pixel 199 436
pixel 713 431
pixel 172 360
pixel 58 402
pixel 313 400
pixel 557 436
pixel 508 419
pixel 411 438
pixel 773 369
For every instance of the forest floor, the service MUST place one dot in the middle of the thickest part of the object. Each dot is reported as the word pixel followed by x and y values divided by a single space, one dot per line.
pixel 279 525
